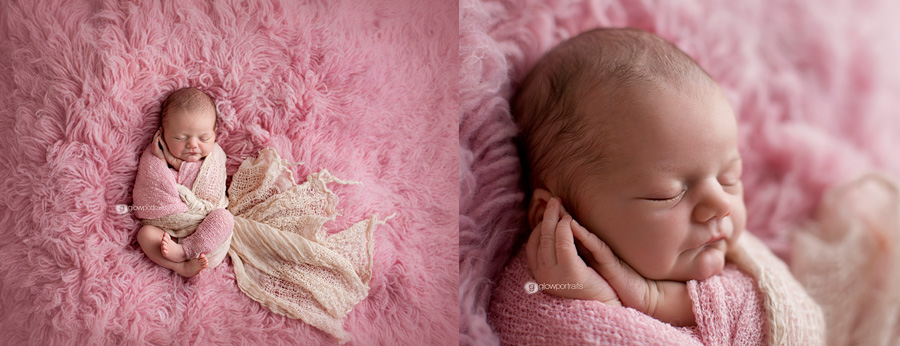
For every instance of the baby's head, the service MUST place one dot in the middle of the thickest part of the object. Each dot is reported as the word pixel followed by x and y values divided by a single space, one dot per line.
pixel 640 144
pixel 189 119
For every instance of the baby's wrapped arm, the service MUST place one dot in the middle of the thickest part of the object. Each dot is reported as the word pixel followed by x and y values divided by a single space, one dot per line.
pixel 729 309
pixel 672 303
pixel 188 172
pixel 155 193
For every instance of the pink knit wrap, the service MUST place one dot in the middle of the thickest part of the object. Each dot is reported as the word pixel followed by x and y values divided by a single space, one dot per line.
pixel 155 194
pixel 760 303
pixel 728 308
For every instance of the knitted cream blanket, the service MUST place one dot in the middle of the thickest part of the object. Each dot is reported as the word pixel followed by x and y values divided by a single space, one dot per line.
pixel 281 254
pixel 792 316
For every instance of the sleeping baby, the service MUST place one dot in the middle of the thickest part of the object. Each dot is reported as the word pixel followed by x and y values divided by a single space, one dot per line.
pixel 636 206
pixel 174 171
pixel 281 254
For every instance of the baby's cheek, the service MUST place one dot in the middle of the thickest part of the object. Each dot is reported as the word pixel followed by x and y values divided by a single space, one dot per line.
pixel 739 222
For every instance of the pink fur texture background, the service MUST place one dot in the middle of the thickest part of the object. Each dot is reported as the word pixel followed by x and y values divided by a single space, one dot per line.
pixel 365 89
pixel 814 84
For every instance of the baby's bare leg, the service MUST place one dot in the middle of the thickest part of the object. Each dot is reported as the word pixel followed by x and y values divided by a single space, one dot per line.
pixel 171 250
pixel 150 239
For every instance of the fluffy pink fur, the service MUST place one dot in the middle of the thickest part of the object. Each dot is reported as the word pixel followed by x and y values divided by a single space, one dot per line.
pixel 814 85
pixel 365 89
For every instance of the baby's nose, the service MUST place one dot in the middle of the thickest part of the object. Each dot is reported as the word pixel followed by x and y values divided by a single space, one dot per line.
pixel 714 205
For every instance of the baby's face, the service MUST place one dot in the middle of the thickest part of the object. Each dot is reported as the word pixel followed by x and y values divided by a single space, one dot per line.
pixel 190 135
pixel 674 203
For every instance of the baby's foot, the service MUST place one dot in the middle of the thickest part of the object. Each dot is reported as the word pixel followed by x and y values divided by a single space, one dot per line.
pixel 171 250
pixel 193 267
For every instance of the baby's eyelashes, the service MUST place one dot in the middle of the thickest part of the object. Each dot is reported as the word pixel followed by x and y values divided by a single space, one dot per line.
pixel 180 139
pixel 669 200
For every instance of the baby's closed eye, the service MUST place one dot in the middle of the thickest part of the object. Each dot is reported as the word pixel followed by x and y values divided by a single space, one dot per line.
pixel 729 180
pixel 668 200
pixel 732 176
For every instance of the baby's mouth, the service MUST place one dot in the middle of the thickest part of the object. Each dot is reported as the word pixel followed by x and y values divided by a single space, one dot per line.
pixel 713 240
pixel 723 230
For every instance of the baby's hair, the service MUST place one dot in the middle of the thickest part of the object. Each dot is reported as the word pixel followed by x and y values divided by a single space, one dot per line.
pixel 188 99
pixel 595 66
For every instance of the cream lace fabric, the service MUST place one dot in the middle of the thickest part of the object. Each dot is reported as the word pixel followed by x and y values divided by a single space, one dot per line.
pixel 282 256
pixel 848 260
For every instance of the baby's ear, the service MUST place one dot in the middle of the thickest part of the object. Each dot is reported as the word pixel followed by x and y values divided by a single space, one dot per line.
pixel 539 199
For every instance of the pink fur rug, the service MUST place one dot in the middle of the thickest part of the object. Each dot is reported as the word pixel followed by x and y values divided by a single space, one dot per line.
pixel 365 89
pixel 814 85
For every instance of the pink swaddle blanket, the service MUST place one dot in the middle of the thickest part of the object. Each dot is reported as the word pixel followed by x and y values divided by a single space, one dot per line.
pixel 196 217
pixel 758 304
pixel 155 193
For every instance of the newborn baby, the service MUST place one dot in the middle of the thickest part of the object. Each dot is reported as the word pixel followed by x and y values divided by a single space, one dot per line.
pixel 631 152
pixel 186 137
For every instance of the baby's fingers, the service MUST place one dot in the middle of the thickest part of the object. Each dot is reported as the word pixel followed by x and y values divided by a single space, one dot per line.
pixel 162 143
pixel 531 248
pixel 154 144
pixel 601 256
pixel 566 253
pixel 548 232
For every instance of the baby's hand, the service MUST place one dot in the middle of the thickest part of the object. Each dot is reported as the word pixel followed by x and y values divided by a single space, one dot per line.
pixel 667 301
pixel 164 151
pixel 553 259
pixel 155 146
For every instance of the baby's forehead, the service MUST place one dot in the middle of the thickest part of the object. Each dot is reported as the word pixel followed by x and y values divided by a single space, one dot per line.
pixel 190 120
pixel 195 112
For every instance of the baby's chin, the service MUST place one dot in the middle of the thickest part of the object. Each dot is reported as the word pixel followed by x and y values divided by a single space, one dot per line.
pixel 709 261
pixel 192 158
